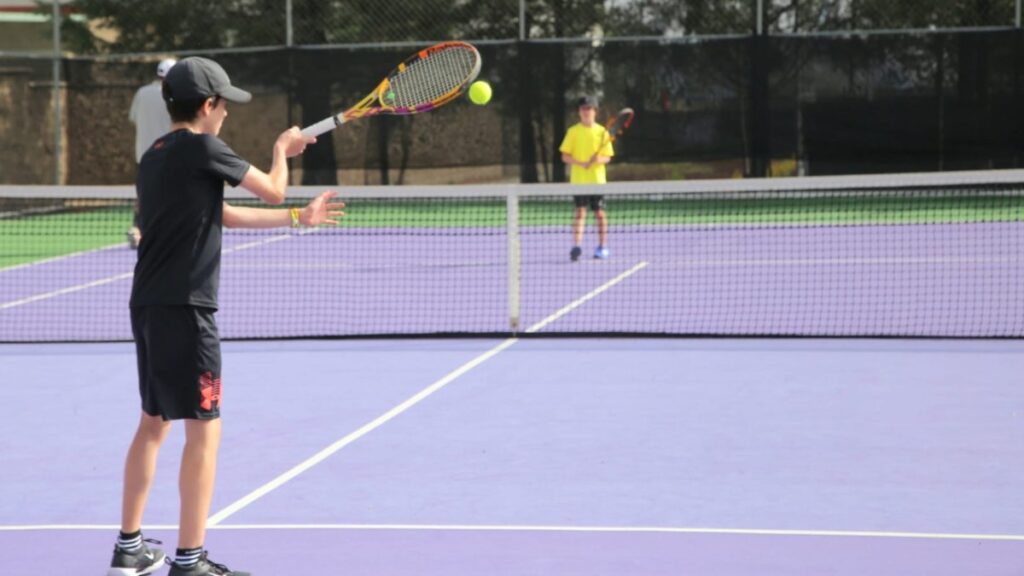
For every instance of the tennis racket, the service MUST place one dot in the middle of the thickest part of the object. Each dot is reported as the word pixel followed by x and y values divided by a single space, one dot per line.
pixel 615 127
pixel 426 80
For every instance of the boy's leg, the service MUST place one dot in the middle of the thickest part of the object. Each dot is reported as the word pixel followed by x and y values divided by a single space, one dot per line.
pixel 602 226
pixel 198 471
pixel 579 222
pixel 601 217
pixel 139 469
pixel 131 555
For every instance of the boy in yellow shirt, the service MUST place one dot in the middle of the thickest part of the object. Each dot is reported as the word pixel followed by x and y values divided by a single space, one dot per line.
pixel 587 148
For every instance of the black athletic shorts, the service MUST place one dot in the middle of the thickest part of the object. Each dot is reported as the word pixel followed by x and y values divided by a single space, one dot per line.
pixel 178 353
pixel 595 202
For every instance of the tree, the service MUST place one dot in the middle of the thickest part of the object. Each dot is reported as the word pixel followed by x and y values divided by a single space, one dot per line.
pixel 174 26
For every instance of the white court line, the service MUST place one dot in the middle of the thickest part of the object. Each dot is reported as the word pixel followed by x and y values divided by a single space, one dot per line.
pixel 63 291
pixel 64 257
pixel 124 245
pixel 576 304
pixel 545 528
pixel 122 276
pixel 695 263
pixel 676 262
pixel 322 455
pixel 352 437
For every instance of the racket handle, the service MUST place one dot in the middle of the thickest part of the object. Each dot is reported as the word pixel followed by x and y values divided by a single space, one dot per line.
pixel 322 127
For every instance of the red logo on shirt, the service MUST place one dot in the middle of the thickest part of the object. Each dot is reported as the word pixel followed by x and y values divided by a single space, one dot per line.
pixel 209 387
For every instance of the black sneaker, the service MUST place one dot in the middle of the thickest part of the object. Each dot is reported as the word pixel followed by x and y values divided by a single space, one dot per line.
pixel 204 568
pixel 145 560
pixel 574 254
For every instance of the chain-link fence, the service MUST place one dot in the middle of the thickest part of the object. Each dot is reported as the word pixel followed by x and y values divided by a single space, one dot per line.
pixel 140 26
pixel 721 87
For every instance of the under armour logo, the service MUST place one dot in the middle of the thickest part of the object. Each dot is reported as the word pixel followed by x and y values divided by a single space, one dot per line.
pixel 209 387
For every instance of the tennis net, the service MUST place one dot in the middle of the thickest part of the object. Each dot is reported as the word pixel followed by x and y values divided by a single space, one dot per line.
pixel 911 255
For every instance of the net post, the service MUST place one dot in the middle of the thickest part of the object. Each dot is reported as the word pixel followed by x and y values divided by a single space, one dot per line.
pixel 514 257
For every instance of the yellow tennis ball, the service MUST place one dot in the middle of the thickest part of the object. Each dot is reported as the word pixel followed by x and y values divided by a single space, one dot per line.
pixel 480 92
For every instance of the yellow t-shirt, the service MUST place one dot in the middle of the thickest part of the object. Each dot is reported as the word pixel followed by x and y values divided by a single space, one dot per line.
pixel 581 142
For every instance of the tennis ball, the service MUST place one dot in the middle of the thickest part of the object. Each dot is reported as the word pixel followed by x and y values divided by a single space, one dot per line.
pixel 480 92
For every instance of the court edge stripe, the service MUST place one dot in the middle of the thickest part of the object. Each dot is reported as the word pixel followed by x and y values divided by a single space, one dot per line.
pixel 63 257
pixel 408 403
pixel 542 528
pixel 122 245
pixel 122 276
pixel 68 290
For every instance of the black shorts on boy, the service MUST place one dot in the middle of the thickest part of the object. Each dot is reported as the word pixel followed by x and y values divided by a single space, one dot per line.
pixel 594 202
pixel 178 353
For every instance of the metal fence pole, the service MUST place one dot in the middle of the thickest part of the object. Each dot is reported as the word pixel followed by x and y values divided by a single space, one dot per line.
pixel 57 131
pixel 289 33
pixel 522 18
pixel 759 150
pixel 1018 13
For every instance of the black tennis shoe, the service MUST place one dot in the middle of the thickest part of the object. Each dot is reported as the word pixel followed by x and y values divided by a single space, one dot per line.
pixel 574 254
pixel 145 560
pixel 205 568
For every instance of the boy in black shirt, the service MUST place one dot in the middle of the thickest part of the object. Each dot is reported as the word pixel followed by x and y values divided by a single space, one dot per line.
pixel 174 296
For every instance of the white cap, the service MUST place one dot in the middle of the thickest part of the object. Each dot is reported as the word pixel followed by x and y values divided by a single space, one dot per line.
pixel 164 66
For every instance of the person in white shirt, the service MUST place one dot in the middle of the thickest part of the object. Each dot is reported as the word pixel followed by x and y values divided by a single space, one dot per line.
pixel 149 114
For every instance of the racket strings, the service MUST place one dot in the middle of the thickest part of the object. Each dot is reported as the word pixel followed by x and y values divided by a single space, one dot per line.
pixel 431 79
pixel 622 121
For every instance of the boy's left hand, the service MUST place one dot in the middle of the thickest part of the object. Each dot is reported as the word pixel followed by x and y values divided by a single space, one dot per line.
pixel 321 210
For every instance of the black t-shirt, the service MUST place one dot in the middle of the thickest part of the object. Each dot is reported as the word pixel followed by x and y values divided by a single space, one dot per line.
pixel 180 185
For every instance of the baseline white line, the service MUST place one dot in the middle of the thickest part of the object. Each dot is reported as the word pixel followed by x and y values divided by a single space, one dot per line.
pixel 837 261
pixel 63 257
pixel 122 276
pixel 322 455
pixel 63 291
pixel 547 528
pixel 256 243
pixel 122 244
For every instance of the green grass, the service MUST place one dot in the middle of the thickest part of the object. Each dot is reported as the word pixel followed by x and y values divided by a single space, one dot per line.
pixel 772 211
pixel 45 236
pixel 820 211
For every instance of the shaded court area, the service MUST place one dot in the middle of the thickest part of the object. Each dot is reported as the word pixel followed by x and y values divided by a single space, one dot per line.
pixel 567 456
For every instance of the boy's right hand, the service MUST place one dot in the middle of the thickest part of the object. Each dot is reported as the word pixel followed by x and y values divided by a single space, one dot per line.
pixel 293 142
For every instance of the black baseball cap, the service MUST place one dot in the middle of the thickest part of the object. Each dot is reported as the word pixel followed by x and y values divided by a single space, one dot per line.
pixel 196 78
pixel 587 101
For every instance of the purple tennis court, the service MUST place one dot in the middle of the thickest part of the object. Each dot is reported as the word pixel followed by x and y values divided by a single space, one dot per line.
pixel 503 454
pixel 886 256
pixel 934 280
pixel 455 457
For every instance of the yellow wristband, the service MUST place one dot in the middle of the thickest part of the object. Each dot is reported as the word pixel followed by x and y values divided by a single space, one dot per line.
pixel 295 217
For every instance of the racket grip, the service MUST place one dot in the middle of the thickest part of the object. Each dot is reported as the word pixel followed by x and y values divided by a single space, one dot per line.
pixel 322 127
